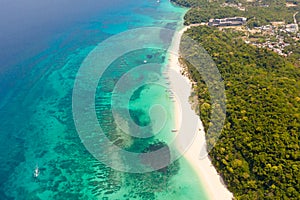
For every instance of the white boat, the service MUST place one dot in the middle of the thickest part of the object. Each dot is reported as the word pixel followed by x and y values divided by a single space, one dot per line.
pixel 36 172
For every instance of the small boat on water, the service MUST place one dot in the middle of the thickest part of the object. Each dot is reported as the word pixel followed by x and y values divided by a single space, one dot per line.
pixel 36 172
pixel 174 130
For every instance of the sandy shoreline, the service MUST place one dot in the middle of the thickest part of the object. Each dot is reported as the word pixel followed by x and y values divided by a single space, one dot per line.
pixel 207 174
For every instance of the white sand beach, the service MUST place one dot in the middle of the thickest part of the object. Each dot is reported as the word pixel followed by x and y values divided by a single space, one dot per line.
pixel 206 172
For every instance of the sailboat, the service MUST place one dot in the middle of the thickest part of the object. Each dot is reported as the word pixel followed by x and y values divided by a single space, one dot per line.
pixel 36 172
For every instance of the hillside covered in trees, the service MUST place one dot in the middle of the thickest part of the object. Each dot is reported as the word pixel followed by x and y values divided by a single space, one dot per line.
pixel 258 153
pixel 258 12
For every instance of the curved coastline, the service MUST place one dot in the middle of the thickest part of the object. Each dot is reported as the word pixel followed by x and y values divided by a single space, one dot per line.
pixel 204 169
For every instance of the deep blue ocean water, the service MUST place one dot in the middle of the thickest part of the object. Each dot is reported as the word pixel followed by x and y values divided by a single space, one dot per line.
pixel 43 45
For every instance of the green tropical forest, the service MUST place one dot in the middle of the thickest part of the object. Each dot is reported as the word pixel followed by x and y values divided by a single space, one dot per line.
pixel 259 12
pixel 258 153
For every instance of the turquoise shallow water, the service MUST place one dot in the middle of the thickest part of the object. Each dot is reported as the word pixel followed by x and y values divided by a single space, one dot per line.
pixel 37 127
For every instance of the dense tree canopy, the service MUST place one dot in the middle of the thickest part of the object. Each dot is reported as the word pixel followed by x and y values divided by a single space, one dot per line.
pixel 258 153
pixel 260 12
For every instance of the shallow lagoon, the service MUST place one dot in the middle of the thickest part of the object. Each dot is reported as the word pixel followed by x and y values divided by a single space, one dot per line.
pixel 37 126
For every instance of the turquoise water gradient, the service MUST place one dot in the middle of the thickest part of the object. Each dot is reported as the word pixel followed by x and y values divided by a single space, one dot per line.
pixel 37 127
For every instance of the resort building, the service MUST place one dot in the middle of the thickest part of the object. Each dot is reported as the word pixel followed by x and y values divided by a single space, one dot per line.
pixel 292 28
pixel 233 21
